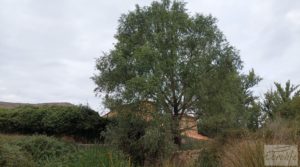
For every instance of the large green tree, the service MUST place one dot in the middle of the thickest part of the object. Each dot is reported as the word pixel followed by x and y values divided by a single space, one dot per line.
pixel 182 64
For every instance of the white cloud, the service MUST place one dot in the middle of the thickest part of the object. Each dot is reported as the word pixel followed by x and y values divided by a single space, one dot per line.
pixel 293 17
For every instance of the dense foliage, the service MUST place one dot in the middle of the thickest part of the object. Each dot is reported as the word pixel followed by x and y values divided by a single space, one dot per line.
pixel 78 121
pixel 181 63
pixel 282 102
pixel 145 138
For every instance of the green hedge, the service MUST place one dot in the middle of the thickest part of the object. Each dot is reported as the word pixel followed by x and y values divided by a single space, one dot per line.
pixel 77 121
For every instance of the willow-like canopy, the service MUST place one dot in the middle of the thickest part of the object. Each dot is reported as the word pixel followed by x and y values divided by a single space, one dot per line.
pixel 177 61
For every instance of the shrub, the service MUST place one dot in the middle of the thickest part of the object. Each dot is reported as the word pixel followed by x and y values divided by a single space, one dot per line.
pixel 158 140
pixel 146 138
pixel 77 121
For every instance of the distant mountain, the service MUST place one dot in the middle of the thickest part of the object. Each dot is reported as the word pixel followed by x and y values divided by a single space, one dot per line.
pixel 13 105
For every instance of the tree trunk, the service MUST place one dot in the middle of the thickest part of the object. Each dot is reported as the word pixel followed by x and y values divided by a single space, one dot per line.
pixel 176 129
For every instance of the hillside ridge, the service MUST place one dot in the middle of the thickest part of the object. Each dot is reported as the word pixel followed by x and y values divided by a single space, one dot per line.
pixel 13 105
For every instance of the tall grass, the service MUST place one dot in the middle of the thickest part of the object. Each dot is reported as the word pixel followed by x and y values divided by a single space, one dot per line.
pixel 13 156
pixel 246 153
pixel 249 151
pixel 93 156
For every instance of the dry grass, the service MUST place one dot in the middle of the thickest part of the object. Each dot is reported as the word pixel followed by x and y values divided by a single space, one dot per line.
pixel 244 153
pixel 249 151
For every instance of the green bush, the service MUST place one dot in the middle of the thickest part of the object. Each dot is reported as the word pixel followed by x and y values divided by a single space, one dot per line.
pixel 78 121
pixel 145 138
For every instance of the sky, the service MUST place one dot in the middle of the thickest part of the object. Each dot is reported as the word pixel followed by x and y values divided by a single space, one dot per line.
pixel 48 48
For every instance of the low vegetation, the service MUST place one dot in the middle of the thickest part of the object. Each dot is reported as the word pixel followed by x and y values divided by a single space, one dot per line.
pixel 79 122
pixel 43 151
pixel 144 139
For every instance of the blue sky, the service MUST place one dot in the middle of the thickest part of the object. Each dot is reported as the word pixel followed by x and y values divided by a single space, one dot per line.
pixel 48 48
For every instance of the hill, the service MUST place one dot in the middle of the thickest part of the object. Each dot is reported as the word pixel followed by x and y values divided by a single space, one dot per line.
pixel 8 105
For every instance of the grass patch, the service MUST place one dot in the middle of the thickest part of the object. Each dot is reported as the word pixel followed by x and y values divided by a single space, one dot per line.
pixel 13 156
pixel 43 151
pixel 93 156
